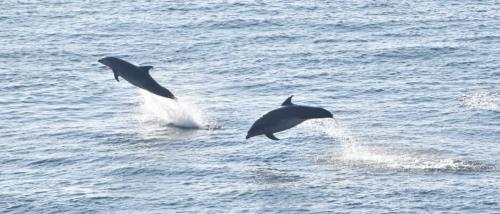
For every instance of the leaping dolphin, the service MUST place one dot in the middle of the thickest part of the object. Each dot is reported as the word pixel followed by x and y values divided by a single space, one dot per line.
pixel 285 117
pixel 136 75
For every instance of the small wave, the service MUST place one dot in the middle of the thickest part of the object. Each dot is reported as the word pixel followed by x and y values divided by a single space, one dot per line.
pixel 135 171
pixel 483 100
pixel 181 113
pixel 354 154
pixel 271 175
pixel 415 52
pixel 52 162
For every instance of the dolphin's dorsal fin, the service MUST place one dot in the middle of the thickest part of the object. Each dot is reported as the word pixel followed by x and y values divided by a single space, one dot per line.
pixel 116 75
pixel 288 102
pixel 145 68
pixel 271 136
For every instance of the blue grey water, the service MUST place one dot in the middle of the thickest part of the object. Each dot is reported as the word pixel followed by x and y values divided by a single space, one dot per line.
pixel 414 86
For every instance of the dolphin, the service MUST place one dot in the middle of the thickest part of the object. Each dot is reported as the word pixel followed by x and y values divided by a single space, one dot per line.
pixel 136 75
pixel 285 117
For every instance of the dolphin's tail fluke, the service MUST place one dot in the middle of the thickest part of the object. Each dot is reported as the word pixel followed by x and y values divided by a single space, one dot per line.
pixel 159 90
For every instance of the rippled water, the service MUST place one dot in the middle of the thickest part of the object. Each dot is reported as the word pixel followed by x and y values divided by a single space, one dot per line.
pixel 414 86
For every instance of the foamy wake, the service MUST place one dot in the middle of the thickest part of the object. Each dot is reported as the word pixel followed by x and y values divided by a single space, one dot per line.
pixel 483 100
pixel 354 154
pixel 181 113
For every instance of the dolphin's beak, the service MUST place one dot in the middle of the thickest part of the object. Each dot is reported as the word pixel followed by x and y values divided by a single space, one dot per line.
pixel 102 61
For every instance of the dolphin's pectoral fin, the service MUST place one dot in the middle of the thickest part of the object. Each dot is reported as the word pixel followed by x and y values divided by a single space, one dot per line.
pixel 145 68
pixel 288 101
pixel 116 76
pixel 271 136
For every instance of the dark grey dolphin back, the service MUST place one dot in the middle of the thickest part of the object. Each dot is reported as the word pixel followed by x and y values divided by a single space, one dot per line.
pixel 287 116
pixel 153 86
pixel 136 75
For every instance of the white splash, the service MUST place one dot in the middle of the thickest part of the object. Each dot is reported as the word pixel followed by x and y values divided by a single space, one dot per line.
pixel 400 160
pixel 181 113
pixel 379 157
pixel 483 100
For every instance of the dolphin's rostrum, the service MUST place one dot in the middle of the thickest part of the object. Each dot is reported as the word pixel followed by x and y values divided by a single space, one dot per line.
pixel 285 117
pixel 136 75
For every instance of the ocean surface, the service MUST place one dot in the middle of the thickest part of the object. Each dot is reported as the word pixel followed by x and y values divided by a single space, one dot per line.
pixel 414 86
